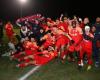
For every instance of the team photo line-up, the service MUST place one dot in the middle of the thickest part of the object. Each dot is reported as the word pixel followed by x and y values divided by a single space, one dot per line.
pixel 42 39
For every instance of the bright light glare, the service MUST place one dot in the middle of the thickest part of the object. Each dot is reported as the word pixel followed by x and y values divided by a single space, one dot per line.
pixel 23 1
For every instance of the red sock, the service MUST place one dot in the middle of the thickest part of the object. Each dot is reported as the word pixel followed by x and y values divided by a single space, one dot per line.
pixel 21 59
pixel 22 65
pixel 27 60
pixel 17 55
pixel 64 53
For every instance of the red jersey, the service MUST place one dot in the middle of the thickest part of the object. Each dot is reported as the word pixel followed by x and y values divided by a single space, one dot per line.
pixel 75 33
pixel 63 26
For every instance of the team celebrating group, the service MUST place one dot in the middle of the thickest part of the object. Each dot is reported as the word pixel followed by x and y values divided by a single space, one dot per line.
pixel 42 39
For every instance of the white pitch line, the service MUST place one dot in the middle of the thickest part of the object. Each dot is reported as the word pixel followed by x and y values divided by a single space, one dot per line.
pixel 29 73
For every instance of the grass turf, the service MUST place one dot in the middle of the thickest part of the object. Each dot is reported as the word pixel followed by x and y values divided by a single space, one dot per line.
pixel 54 70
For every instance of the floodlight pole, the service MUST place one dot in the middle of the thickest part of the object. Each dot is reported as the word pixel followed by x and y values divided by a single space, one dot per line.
pixel 22 3
pixel 21 9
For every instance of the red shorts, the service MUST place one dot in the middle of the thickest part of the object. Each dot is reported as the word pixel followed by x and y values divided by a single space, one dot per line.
pixel 62 41
pixel 41 60
pixel 73 48
pixel 86 48
pixel 28 52
pixel 87 45
pixel 47 44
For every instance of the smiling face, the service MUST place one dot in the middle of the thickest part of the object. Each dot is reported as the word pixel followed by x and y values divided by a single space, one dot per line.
pixel 50 48
pixel 23 28
pixel 98 19
pixel 57 22
pixel 65 19
pixel 32 40
pixel 54 30
pixel 93 29
pixel 86 20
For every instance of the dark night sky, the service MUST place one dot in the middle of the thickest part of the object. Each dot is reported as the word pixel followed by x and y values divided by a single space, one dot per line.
pixel 10 9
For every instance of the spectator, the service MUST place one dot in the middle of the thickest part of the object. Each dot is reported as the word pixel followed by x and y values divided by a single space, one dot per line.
pixel 96 38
